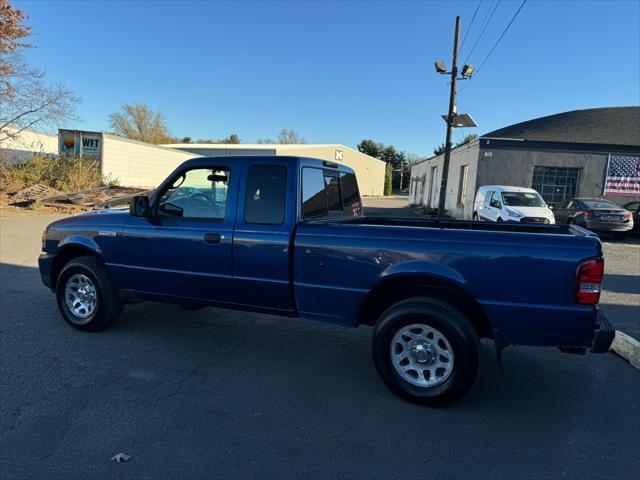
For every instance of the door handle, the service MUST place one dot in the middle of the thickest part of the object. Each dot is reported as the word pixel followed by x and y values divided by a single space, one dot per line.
pixel 212 238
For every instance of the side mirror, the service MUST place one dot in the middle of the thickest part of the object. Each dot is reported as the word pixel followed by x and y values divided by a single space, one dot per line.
pixel 139 206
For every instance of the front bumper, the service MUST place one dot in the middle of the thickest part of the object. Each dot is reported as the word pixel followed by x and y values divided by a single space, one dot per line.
pixel 603 334
pixel 45 265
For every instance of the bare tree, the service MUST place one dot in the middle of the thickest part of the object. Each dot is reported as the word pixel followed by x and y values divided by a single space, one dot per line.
pixel 25 99
pixel 288 136
pixel 138 122
pixel 266 141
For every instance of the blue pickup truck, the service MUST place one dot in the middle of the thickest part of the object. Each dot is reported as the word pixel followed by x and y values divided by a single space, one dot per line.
pixel 287 236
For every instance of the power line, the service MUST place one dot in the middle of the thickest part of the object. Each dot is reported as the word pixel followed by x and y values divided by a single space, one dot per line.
pixel 470 24
pixel 503 33
pixel 482 31
pixel 496 44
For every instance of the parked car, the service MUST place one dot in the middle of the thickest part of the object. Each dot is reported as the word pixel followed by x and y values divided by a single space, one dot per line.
pixel 286 236
pixel 634 208
pixel 498 203
pixel 595 214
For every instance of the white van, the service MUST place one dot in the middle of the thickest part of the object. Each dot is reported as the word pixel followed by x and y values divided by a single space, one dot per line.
pixel 499 203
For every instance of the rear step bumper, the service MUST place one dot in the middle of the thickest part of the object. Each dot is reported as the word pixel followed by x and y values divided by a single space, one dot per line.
pixel 603 334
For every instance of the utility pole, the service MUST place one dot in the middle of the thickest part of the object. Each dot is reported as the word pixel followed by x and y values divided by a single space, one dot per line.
pixel 452 111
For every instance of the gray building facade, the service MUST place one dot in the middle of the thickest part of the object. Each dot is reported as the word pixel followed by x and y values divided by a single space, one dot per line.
pixel 560 156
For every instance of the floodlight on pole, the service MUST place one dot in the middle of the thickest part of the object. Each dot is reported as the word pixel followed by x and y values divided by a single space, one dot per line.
pixel 467 71
pixel 441 67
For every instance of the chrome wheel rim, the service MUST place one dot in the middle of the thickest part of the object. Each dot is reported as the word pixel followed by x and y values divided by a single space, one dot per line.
pixel 422 355
pixel 81 297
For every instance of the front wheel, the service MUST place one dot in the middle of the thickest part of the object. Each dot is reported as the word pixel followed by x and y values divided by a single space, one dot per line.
pixel 426 351
pixel 87 298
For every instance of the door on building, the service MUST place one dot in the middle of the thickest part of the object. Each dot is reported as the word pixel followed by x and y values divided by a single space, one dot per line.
pixel 433 190
pixel 418 191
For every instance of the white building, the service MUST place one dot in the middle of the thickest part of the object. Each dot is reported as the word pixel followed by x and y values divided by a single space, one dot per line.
pixel 369 171
pixel 26 144
pixel 131 163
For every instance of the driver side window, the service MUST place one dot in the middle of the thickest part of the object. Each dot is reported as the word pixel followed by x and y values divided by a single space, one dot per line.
pixel 197 193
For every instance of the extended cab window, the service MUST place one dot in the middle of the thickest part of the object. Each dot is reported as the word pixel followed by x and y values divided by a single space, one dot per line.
pixel 197 193
pixel 332 189
pixel 265 196
pixel 350 195
pixel 325 193
pixel 314 200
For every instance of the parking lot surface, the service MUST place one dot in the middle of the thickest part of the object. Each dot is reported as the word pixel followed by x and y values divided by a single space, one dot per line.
pixel 219 394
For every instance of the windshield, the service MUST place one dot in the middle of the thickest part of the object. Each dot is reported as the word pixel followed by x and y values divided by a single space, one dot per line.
pixel 599 204
pixel 522 199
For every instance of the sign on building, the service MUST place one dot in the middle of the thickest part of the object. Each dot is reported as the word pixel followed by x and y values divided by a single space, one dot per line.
pixel 75 142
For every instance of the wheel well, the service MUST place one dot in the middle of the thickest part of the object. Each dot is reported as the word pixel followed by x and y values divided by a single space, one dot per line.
pixel 65 255
pixel 392 291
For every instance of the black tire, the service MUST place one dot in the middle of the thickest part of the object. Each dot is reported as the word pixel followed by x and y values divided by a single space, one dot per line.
pixel 457 330
pixel 108 303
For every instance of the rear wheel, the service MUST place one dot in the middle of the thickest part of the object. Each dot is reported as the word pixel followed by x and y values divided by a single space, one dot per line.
pixel 86 296
pixel 426 351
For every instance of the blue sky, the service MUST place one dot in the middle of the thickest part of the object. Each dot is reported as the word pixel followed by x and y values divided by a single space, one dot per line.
pixel 337 72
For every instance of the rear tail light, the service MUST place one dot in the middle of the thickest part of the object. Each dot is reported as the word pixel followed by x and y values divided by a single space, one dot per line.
pixel 588 213
pixel 589 281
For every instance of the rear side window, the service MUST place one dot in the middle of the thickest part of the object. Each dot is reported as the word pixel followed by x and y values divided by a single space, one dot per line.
pixel 350 194
pixel 264 201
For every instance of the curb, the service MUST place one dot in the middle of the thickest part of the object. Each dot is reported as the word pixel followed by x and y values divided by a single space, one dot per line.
pixel 627 347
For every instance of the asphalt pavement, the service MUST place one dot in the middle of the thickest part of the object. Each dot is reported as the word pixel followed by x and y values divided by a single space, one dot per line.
pixel 219 394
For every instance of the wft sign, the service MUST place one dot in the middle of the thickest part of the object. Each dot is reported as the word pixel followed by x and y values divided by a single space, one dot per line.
pixel 74 142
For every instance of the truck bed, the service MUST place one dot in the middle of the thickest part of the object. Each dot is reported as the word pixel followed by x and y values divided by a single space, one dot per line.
pixel 466 225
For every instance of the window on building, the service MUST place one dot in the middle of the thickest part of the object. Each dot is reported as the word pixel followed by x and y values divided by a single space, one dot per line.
pixel 555 183
pixel 462 185
pixel 264 201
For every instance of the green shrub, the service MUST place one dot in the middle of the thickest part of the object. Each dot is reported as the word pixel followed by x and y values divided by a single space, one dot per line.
pixel 65 174
pixel 388 179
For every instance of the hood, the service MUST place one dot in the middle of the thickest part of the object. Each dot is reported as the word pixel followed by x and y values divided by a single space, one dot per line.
pixel 543 212
pixel 112 217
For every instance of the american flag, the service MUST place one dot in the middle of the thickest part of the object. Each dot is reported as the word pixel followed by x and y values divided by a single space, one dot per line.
pixel 623 175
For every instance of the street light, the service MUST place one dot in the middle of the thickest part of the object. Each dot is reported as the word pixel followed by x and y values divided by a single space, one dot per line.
pixel 467 71
pixel 453 118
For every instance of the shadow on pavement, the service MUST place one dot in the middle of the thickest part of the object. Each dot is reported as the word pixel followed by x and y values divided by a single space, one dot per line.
pixel 621 283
